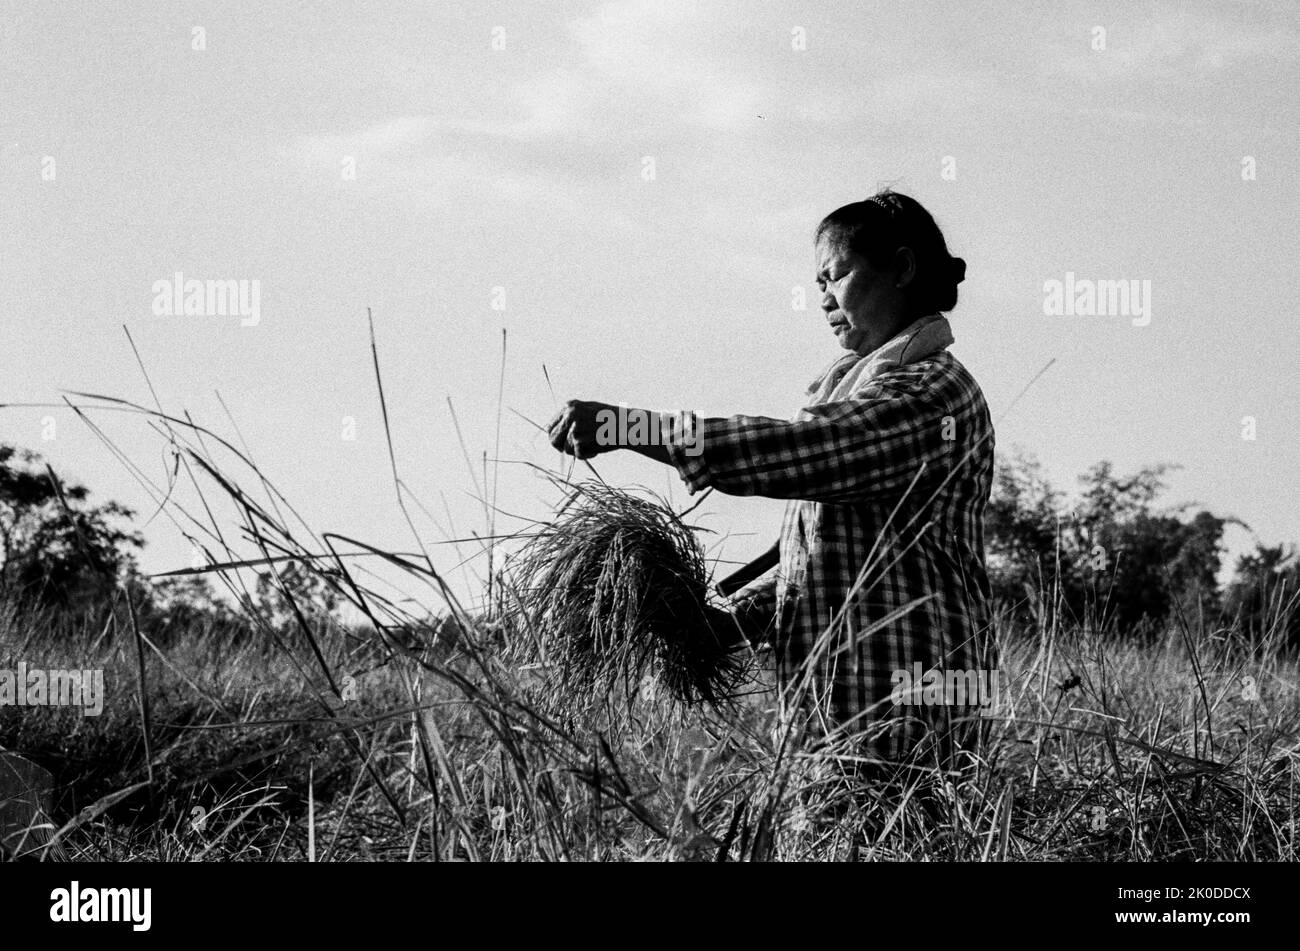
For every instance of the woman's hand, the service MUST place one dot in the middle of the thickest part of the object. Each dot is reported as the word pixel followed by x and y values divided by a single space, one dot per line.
pixel 574 429
pixel 725 626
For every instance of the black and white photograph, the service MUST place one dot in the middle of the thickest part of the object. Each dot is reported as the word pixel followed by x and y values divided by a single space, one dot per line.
pixel 649 431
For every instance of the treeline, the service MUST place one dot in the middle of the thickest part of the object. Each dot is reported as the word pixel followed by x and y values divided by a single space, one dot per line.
pixel 1110 556
pixel 73 562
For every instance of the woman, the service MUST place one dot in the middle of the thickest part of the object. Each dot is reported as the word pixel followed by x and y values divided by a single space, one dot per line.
pixel 887 470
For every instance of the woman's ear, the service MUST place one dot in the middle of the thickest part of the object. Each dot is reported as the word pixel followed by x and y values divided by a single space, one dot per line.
pixel 904 267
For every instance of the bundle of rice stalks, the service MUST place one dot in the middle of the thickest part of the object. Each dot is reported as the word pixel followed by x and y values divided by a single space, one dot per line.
pixel 615 589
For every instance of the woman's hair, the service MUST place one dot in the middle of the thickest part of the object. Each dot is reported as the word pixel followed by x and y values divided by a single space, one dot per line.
pixel 878 227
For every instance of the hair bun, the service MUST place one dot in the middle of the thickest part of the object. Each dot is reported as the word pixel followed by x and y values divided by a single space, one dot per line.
pixel 957 270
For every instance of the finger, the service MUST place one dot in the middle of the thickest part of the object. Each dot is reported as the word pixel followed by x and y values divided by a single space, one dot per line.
pixel 574 448
pixel 583 447
pixel 559 430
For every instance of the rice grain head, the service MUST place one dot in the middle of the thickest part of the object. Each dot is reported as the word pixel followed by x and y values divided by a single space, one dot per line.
pixel 616 590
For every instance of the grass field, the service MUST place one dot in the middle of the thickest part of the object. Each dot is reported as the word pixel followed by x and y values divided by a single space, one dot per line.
pixel 407 728
pixel 1100 750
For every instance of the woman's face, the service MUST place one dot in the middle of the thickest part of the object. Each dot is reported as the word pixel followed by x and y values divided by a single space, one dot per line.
pixel 863 305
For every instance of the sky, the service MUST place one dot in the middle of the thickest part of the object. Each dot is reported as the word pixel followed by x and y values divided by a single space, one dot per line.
pixel 629 191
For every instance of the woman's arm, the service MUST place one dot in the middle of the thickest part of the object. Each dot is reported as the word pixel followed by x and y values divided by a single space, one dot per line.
pixel 745 619
pixel 876 443
pixel 581 430
pixel 901 429
pixel 752 611
pixel 586 428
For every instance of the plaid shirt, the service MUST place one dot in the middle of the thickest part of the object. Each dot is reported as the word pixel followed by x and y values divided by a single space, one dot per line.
pixel 893 479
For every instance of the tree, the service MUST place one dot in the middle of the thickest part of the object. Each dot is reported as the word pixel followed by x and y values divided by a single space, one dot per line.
pixel 1110 558
pixel 1264 597
pixel 295 584
pixel 56 549
pixel 1021 527
pixel 174 606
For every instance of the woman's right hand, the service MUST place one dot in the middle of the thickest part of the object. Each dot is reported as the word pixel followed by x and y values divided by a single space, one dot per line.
pixel 742 621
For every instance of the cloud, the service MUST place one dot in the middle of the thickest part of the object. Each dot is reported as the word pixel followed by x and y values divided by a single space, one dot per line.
pixel 1168 48
pixel 638 76
pixel 653 61
pixel 450 165
pixel 365 145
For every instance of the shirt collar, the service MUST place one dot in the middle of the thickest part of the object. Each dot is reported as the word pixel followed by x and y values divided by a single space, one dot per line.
pixel 922 338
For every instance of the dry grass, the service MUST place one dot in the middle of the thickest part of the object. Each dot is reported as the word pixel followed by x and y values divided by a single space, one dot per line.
pixel 614 591
pixel 1101 750
pixel 1129 764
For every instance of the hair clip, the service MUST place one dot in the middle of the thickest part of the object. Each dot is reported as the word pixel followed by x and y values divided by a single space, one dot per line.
pixel 882 203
